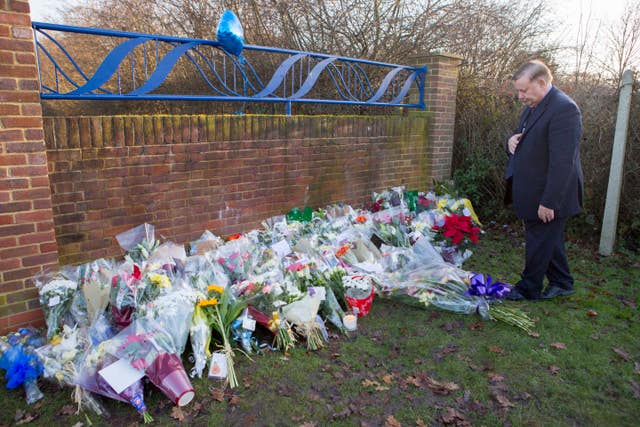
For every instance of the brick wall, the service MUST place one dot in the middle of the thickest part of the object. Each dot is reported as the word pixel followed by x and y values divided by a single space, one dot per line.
pixel 187 174
pixel 27 239
pixel 441 86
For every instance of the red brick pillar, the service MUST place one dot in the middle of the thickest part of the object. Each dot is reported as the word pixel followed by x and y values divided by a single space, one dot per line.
pixel 27 238
pixel 440 89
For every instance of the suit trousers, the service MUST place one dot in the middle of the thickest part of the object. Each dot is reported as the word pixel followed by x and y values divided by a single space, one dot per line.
pixel 545 255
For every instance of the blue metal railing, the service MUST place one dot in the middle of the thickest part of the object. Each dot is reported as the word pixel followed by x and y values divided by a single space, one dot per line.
pixel 136 66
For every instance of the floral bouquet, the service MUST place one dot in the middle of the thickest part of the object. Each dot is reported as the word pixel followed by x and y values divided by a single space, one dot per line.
pixel 126 294
pixel 61 359
pixel 95 280
pixel 90 379
pixel 359 292
pixel 224 308
pixel 456 233
pixel 172 309
pixel 388 198
pixel 21 364
pixel 302 313
pixel 447 288
pixel 200 337
pixel 392 234
pixel 56 294
pixel 150 348
pixel 238 257
pixel 138 242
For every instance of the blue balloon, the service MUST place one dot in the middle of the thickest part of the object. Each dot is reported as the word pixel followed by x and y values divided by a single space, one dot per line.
pixel 230 33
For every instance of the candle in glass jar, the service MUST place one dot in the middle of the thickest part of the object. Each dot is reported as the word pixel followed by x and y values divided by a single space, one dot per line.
pixel 350 322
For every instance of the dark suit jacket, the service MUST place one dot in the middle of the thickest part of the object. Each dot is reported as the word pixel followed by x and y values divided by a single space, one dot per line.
pixel 545 168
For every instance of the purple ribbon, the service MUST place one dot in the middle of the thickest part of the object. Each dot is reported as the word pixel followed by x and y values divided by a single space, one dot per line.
pixel 484 286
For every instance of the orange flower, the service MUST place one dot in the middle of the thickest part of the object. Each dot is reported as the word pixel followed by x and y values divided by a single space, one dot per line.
pixel 361 219
pixel 234 237
pixel 207 302
pixel 215 288
pixel 343 250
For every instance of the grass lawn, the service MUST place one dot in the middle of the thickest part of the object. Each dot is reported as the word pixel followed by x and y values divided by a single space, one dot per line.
pixel 410 366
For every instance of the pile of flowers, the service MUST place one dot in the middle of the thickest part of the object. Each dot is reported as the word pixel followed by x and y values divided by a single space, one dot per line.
pixel 275 288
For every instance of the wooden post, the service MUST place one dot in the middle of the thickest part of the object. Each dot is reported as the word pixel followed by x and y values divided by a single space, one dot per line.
pixel 610 220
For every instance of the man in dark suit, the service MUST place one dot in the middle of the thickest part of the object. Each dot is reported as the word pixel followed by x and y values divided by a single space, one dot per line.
pixel 544 180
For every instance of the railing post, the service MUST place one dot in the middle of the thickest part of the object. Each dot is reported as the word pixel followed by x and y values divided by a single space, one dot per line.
pixel 610 220
pixel 441 85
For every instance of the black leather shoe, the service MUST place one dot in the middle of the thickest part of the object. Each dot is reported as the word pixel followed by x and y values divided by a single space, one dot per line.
pixel 556 291
pixel 515 295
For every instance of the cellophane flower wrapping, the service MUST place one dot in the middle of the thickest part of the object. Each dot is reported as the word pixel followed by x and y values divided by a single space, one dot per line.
pixel 203 270
pixel 150 348
pixel 172 309
pixel 200 338
pixel 95 281
pixel 238 258
pixel 56 294
pixel 89 378
pixel 302 313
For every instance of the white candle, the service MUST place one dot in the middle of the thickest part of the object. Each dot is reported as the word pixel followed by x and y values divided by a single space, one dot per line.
pixel 350 322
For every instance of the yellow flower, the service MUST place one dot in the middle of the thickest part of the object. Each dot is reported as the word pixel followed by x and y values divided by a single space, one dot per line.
pixel 474 217
pixel 274 322
pixel 442 203
pixel 160 280
pixel 57 339
pixel 207 302
pixel 215 288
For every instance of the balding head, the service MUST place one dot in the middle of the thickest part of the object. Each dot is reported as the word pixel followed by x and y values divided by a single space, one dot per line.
pixel 534 70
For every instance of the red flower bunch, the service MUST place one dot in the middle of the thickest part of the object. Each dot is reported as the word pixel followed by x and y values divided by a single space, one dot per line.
pixel 458 228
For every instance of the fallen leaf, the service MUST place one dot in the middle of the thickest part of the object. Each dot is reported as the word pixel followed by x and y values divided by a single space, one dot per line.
pixel 217 394
pixel 308 424
pixel 441 388
pixel 27 418
pixel 623 354
pixel 67 410
pixel 558 345
pixel 534 334
pixel 342 414
pixel 177 414
pixel 636 389
pixel 592 313
pixel 78 424
pixel 420 423
pixel 595 336
pixel 554 369
pixel 496 349
pixel 392 422
pixel 476 326
pixel 387 379
pixel 495 377
pixel 381 388
pixel 335 355
pixel 235 400
pixel 369 383
pixel 413 381
pixel 19 414
pixel 452 416
pixel 503 400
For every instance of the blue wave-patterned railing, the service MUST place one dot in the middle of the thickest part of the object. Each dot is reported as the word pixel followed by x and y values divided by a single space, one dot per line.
pixel 141 67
